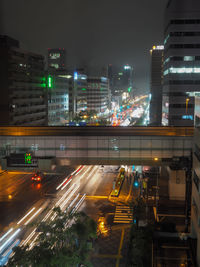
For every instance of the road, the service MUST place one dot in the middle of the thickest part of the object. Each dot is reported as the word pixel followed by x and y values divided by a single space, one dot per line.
pixel 80 190
pixel 18 193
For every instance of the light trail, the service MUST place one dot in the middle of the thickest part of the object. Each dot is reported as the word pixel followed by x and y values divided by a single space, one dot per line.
pixel 9 239
pixel 70 176
pixel 66 183
pixel 65 194
pixel 78 204
pixel 73 201
pixel 95 169
pixel 9 250
pixel 67 199
pixel 32 243
pixel 7 233
pixel 28 238
pixel 32 216
pixel 26 215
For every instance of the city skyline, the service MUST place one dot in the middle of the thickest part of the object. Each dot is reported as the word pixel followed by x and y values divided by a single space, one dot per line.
pixel 92 33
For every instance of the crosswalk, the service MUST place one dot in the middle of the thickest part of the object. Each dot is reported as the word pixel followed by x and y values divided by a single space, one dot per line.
pixel 123 214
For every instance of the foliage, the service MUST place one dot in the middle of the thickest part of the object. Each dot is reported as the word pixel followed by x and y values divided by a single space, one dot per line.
pixel 63 242
pixel 140 246
pixel 140 238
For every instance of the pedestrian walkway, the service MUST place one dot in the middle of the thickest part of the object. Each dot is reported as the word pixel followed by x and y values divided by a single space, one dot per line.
pixel 123 214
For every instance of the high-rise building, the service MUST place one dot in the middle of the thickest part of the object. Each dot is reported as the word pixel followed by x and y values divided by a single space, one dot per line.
pixel 156 85
pixel 79 93
pixel 181 60
pixel 23 96
pixel 195 210
pixel 58 98
pixel 56 58
pixel 121 79
pixel 98 94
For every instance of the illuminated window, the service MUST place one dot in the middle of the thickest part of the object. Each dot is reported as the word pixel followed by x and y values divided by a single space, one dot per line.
pixel 182 70
pixel 54 55
pixel 187 117
pixel 54 65
pixel 189 58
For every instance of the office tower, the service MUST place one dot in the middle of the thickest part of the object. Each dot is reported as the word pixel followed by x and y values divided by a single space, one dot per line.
pixel 181 60
pixel 98 95
pixel 58 98
pixel 195 210
pixel 121 79
pixel 23 98
pixel 56 58
pixel 156 85
pixel 79 93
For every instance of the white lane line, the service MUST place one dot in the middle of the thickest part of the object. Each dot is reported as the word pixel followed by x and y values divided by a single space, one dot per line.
pixel 6 234
pixel 26 215
pixel 33 216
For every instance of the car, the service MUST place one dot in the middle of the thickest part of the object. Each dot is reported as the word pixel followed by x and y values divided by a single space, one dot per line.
pixel 37 176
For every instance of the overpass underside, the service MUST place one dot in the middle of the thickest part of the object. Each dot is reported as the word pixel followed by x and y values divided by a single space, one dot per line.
pixel 99 145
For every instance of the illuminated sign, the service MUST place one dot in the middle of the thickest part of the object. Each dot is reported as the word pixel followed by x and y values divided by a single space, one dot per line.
pixel 127 67
pixel 75 75
pixel 49 81
pixel 158 47
pixel 28 158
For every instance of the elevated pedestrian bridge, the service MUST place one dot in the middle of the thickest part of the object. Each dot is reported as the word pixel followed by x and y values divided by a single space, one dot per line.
pixel 99 145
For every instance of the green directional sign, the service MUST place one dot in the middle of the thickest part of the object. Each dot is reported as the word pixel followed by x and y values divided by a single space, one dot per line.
pixel 28 158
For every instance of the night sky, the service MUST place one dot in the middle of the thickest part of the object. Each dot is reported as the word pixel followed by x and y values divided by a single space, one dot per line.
pixel 94 32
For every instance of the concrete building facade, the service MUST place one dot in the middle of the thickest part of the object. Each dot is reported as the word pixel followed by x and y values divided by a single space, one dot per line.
pixel 181 60
pixel 23 86
pixel 98 94
pixel 58 98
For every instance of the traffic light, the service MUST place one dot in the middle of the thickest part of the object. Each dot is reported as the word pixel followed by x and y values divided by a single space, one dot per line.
pixel 136 182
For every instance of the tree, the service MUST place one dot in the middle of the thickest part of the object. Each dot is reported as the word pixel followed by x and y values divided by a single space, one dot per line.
pixel 63 242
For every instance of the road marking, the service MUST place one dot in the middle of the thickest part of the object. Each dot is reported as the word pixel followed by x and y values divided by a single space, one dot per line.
pixel 100 197
pixel 123 214
pixel 120 247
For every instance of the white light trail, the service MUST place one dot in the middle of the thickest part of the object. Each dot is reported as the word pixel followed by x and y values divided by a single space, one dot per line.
pixel 69 176
pixel 73 201
pixel 9 239
pixel 66 184
pixel 28 238
pixel 58 187
pixel 32 243
pixel 64 195
pixel 10 248
pixel 6 234
pixel 95 169
pixel 78 204
pixel 26 215
pixel 33 216
pixel 67 199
